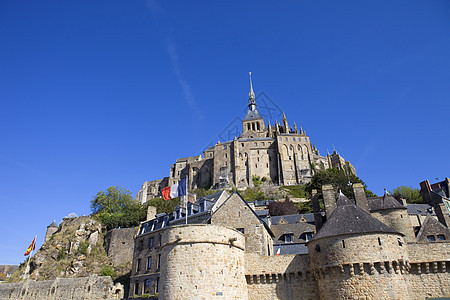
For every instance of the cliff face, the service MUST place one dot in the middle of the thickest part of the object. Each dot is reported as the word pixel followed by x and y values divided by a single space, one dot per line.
pixel 76 249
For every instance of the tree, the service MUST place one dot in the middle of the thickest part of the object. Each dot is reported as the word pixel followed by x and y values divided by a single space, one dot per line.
pixel 339 179
pixel 410 194
pixel 280 208
pixel 116 207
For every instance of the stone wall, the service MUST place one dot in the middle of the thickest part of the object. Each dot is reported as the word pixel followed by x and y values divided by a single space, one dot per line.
pixel 279 277
pixel 92 288
pixel 202 262
pixel 361 266
pixel 120 245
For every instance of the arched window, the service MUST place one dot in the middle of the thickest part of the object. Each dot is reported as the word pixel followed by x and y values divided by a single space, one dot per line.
pixel 257 125
pixel 248 126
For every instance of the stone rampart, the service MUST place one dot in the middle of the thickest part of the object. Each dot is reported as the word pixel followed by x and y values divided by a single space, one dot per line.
pixel 93 287
pixel 202 262
pixel 119 245
pixel 279 277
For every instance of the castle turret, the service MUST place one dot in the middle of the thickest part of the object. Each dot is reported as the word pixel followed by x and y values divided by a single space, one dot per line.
pixel 354 249
pixel 51 229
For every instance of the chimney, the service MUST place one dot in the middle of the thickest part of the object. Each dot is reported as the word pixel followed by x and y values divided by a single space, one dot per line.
pixel 316 210
pixel 151 212
pixel 360 196
pixel 329 199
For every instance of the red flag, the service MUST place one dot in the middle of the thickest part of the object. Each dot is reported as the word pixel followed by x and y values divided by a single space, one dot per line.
pixel 31 248
pixel 166 193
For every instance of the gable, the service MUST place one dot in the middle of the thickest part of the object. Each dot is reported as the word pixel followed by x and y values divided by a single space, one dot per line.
pixel 432 230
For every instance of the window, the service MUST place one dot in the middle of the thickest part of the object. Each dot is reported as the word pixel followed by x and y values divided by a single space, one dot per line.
pixel 141 245
pixel 136 288
pixel 256 166
pixel 308 236
pixel 149 264
pixel 157 285
pixel 379 241
pixel 138 265
pixel 147 286
pixel 317 248
pixel 159 261
pixel 201 206
pixel 241 230
pixel 281 139
pixel 248 126
pixel 400 243
pixel 150 243
pixel 226 155
pixel 441 237
pixel 430 238
pixel 286 139
pixel 343 244
pixel 262 143
pixel 270 143
pixel 288 238
pixel 189 210
pixel 242 144
pixel 293 139
pixel 224 147
pixel 256 144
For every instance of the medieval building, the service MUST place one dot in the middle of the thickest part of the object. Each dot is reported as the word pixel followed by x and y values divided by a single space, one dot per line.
pixel 279 154
pixel 355 248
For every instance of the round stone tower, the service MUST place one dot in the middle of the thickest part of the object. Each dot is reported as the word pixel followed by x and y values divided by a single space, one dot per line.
pixel 202 262
pixel 356 256
pixel 51 229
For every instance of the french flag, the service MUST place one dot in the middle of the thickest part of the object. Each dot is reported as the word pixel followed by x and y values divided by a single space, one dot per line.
pixel 175 190
pixel 279 250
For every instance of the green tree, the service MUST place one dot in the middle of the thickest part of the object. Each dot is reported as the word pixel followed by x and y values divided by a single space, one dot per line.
pixel 116 207
pixel 411 194
pixel 338 178
pixel 163 206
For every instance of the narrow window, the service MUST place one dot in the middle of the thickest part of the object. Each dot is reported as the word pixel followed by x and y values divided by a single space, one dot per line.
pixel 157 285
pixel 400 243
pixel 241 230
pixel 242 144
pixel 248 126
pixel 147 286
pixel 317 248
pixel 343 244
pixel 262 143
pixel 257 124
pixel 138 265
pixel 256 144
pixel 149 263
pixel 159 261
pixel 379 241
pixel 136 288
pixel 150 243
pixel 256 166
pixel 286 139
pixel 293 139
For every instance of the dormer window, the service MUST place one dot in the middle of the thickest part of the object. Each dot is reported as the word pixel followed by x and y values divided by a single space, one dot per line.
pixel 201 206
pixel 308 236
pixel 441 237
pixel 288 238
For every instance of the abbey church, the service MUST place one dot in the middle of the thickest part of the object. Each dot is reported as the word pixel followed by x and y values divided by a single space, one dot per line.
pixel 278 154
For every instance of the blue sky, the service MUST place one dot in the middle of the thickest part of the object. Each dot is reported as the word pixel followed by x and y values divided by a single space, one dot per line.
pixel 102 93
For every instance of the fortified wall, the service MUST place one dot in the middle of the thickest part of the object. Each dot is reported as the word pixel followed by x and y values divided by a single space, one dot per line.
pixel 93 287
pixel 119 245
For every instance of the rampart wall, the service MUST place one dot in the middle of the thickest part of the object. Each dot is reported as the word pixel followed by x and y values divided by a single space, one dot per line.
pixel 119 245
pixel 429 274
pixel 279 277
pixel 93 287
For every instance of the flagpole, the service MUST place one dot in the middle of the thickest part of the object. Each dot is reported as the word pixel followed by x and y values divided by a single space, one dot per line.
pixel 186 196
pixel 29 257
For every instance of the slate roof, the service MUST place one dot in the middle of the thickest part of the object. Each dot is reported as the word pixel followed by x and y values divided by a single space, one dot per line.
pixel 385 202
pixel 252 115
pixel 53 224
pixel 431 226
pixel 419 209
pixel 291 248
pixel 297 229
pixel 348 218
pixel 294 218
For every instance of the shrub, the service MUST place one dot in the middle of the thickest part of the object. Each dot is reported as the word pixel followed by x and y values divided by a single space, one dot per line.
pixel 108 271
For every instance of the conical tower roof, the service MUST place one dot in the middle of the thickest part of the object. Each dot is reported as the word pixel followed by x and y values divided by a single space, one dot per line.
pixel 349 219
pixel 53 224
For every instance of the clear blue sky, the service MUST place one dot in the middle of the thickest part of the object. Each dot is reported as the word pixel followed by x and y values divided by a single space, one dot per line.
pixel 102 93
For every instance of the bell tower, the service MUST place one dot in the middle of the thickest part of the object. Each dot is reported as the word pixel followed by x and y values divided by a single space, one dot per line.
pixel 253 123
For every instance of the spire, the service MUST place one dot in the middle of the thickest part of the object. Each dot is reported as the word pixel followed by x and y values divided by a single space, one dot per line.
pixel 285 124
pixel 251 95
pixel 295 128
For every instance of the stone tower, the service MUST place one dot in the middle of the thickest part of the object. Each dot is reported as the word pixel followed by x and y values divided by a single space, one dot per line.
pixel 51 229
pixel 356 256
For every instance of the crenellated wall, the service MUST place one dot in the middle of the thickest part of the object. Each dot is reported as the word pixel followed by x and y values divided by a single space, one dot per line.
pixel 368 266
pixel 279 277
